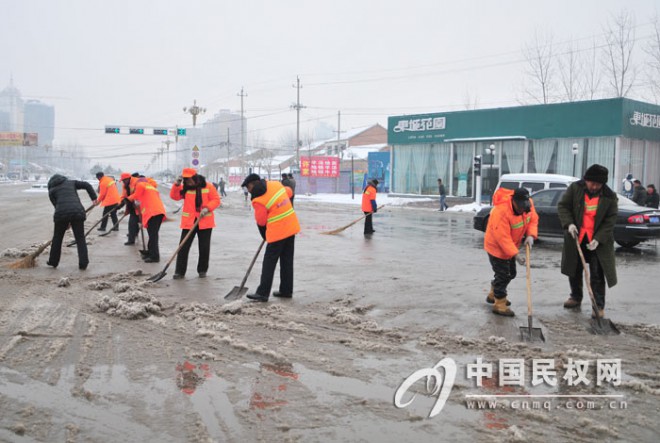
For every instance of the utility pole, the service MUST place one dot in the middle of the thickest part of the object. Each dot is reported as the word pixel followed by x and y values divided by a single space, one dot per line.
pixel 167 143
pixel 339 150
pixel 228 146
pixel 241 95
pixel 298 107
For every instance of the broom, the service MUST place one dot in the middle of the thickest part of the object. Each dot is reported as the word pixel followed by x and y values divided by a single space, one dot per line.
pixel 29 260
pixel 338 230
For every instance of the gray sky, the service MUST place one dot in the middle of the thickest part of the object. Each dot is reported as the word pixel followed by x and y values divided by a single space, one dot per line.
pixel 139 62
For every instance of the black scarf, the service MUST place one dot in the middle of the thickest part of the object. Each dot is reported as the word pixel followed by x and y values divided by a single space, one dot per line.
pixel 198 193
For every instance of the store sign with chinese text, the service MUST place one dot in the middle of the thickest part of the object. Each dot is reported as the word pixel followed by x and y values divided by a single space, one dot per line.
pixel 319 166
pixel 18 139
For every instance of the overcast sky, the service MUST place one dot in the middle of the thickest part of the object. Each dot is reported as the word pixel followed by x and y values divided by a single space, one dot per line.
pixel 139 62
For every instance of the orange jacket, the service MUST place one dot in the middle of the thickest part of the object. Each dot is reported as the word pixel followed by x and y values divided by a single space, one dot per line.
pixel 108 193
pixel 131 187
pixel 274 210
pixel 589 217
pixel 368 195
pixel 210 200
pixel 150 202
pixel 506 230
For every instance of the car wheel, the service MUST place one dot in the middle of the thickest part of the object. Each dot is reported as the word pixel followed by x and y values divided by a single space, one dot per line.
pixel 627 244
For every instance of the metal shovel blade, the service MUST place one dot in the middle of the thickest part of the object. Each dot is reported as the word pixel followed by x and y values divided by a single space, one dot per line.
pixel 236 293
pixel 603 326
pixel 530 334
pixel 154 278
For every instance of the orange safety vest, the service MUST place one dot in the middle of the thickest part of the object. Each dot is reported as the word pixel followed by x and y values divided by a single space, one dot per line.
pixel 368 195
pixel 282 221
pixel 506 230
pixel 589 217
pixel 150 202
pixel 108 193
pixel 210 200
pixel 132 183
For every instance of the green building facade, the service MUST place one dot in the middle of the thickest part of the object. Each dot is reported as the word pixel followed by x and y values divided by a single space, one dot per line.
pixel 564 138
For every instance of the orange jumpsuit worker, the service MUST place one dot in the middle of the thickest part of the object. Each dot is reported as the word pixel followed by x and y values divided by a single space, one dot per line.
pixel 200 199
pixel 512 218
pixel 369 206
pixel 128 187
pixel 109 199
pixel 278 225
pixel 152 212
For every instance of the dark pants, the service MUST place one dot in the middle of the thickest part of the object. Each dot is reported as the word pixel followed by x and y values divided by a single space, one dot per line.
pixel 222 192
pixel 443 204
pixel 505 271
pixel 133 223
pixel 152 229
pixel 283 251
pixel 596 274
pixel 368 224
pixel 204 244
pixel 113 215
pixel 292 200
pixel 78 228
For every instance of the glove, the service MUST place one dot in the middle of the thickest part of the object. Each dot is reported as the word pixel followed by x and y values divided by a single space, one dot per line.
pixel 203 212
pixel 262 231
pixel 520 259
pixel 529 241
pixel 592 245
pixel 374 206
pixel 573 230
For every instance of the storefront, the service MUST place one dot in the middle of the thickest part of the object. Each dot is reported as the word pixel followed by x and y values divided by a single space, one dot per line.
pixel 562 138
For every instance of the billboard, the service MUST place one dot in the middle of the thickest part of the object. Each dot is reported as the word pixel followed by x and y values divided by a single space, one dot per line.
pixel 19 139
pixel 319 166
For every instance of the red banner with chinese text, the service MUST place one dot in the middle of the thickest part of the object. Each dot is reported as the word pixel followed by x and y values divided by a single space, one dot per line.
pixel 319 166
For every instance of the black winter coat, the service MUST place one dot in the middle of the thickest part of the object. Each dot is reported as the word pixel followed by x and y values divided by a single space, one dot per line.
pixel 653 200
pixel 63 194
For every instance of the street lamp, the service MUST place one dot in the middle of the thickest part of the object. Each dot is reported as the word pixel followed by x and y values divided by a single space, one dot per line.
pixel 490 150
pixel 194 110
pixel 575 154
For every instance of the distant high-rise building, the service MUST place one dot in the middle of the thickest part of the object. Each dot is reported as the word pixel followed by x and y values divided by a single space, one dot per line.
pixel 11 104
pixel 40 118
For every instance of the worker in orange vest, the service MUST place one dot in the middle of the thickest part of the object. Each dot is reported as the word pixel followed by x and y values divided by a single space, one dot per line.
pixel 109 199
pixel 200 199
pixel 369 206
pixel 152 212
pixel 278 226
pixel 128 187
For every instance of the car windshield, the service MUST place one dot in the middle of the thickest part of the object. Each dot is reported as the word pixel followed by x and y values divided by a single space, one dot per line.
pixel 625 201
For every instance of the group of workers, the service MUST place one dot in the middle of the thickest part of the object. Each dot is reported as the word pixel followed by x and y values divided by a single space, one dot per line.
pixel 587 212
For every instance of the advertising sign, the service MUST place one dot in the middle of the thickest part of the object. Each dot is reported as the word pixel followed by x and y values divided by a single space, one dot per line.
pixel 319 166
pixel 19 139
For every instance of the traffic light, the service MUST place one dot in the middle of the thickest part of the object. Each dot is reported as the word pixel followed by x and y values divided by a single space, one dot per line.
pixel 111 130
pixel 136 131
pixel 181 131
pixel 160 131
pixel 477 165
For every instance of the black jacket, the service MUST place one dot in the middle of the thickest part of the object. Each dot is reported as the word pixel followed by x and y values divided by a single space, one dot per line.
pixel 639 195
pixel 653 200
pixel 63 194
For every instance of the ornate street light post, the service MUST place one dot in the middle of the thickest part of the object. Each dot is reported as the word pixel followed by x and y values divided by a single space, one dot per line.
pixel 194 110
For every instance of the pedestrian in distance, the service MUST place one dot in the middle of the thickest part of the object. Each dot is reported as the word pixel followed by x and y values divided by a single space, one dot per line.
pixel 652 197
pixel 588 212
pixel 278 225
pixel 222 185
pixel 369 205
pixel 152 213
pixel 512 222
pixel 63 194
pixel 128 187
pixel 109 199
pixel 639 193
pixel 200 199
pixel 443 196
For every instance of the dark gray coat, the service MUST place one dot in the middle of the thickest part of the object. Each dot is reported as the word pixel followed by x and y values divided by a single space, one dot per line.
pixel 63 194
pixel 571 209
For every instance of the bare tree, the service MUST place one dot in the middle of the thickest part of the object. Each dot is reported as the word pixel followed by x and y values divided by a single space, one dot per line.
pixel 469 101
pixel 539 56
pixel 570 73
pixel 653 50
pixel 592 74
pixel 620 42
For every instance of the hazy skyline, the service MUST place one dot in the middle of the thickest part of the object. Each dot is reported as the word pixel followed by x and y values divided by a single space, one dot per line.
pixel 141 62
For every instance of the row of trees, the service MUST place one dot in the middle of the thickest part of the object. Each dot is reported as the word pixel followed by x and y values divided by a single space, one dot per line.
pixel 605 66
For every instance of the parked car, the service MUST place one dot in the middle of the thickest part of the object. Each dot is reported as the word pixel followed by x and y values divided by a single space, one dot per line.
pixel 535 182
pixel 634 223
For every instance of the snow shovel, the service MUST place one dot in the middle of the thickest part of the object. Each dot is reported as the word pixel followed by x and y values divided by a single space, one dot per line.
pixel 113 226
pixel 528 333
pixel 144 250
pixel 239 291
pixel 599 326
pixel 71 243
pixel 338 230
pixel 154 278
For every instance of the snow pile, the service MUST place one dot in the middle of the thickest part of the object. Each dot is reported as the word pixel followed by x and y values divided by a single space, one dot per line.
pixel 129 305
pixel 14 253
pixel 64 282
pixel 469 207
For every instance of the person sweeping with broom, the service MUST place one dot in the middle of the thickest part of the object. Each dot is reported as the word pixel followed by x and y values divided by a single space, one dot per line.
pixel 63 194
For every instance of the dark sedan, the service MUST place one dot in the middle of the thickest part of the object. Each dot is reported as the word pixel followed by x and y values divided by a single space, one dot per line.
pixel 634 223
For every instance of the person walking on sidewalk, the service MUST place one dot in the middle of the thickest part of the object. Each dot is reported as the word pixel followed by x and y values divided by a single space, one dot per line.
pixel 369 205
pixel 152 212
pixel 443 196
pixel 63 194
pixel 200 199
pixel 109 199
pixel 512 219
pixel 278 226
pixel 588 212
